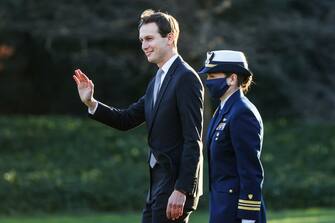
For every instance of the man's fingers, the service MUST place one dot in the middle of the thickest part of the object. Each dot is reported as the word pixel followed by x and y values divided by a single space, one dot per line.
pixel 171 211
pixel 181 211
pixel 82 78
pixel 76 79
pixel 78 75
pixel 175 205
pixel 168 211
pixel 91 84
pixel 176 211
pixel 76 72
pixel 83 75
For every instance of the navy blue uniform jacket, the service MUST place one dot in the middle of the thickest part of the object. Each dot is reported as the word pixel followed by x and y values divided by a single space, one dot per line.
pixel 234 143
pixel 174 127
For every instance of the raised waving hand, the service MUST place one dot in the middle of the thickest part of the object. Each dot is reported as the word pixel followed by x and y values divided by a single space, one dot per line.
pixel 85 88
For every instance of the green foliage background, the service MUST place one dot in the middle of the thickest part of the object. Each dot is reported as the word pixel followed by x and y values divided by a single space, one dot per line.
pixel 47 165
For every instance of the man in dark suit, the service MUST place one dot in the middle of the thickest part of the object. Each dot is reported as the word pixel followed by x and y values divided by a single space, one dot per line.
pixel 234 142
pixel 172 109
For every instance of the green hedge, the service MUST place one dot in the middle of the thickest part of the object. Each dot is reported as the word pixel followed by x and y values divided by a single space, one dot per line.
pixel 54 164
pixel 299 164
pixel 62 163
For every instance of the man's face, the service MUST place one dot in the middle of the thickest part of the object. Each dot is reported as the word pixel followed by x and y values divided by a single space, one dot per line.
pixel 154 45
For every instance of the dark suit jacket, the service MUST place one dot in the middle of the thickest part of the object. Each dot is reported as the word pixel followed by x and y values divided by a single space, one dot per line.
pixel 234 143
pixel 174 129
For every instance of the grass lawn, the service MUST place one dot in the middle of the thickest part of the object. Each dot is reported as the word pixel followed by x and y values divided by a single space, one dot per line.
pixel 297 216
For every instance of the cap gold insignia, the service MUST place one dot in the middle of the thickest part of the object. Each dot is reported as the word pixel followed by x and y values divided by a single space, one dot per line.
pixel 250 196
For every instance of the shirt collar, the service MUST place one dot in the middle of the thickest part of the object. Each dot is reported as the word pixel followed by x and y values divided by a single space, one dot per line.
pixel 168 63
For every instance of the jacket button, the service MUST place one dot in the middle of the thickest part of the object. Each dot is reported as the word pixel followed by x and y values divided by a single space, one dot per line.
pixel 230 190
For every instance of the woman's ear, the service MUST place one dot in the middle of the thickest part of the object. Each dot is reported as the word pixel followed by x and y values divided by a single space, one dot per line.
pixel 233 79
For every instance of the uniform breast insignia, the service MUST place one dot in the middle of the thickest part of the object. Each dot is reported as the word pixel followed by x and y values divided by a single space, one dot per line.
pixel 221 125
pixel 219 129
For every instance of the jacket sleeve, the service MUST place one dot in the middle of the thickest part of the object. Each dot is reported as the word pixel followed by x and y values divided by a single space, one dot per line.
pixel 122 119
pixel 190 97
pixel 247 134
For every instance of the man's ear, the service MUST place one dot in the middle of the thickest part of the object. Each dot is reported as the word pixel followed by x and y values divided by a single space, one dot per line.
pixel 171 38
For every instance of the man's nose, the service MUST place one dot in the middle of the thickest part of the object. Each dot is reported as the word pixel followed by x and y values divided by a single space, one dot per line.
pixel 144 45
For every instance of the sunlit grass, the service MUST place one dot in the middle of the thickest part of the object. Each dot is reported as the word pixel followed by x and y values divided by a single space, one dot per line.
pixel 304 216
pixel 297 216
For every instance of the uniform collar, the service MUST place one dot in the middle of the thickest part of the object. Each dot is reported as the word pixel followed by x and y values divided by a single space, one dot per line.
pixel 231 100
pixel 222 103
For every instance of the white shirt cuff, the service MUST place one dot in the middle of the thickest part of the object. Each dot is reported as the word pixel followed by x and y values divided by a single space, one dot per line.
pixel 93 110
pixel 248 221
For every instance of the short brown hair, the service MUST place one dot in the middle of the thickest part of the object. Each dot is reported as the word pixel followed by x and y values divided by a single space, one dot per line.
pixel 165 22
pixel 243 81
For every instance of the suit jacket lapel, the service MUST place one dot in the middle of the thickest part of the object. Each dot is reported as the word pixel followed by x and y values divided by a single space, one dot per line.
pixel 162 90
pixel 150 98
